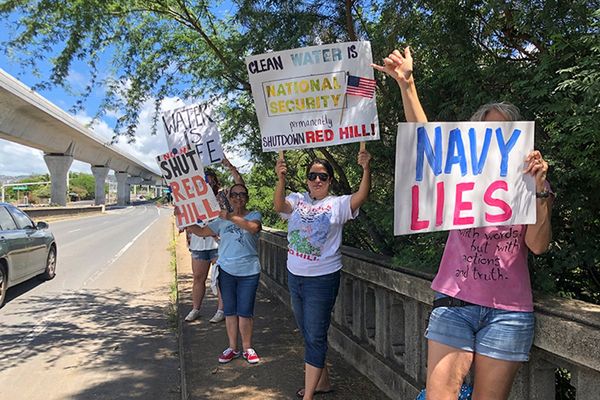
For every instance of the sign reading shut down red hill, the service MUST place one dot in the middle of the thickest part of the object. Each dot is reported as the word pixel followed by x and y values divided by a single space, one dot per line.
pixel 195 201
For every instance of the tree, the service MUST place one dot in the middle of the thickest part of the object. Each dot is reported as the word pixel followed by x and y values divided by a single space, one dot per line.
pixel 541 55
pixel 82 184
pixel 34 192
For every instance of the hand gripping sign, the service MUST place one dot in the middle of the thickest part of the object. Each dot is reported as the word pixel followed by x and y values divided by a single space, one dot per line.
pixel 193 126
pixel 314 96
pixel 193 197
pixel 452 175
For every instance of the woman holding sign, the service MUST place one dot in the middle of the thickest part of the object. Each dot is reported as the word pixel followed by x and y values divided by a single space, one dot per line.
pixel 483 320
pixel 239 270
pixel 205 249
pixel 315 222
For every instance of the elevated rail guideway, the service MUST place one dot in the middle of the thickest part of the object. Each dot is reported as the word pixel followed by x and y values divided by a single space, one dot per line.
pixel 29 119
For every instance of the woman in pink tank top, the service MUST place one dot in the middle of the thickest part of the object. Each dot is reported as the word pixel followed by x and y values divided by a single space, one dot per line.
pixel 483 312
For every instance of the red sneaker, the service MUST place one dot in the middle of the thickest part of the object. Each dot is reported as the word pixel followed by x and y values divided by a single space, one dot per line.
pixel 251 356
pixel 228 355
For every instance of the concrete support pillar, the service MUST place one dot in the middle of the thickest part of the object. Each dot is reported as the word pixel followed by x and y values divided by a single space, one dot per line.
pixel 122 188
pixel 58 166
pixel 100 174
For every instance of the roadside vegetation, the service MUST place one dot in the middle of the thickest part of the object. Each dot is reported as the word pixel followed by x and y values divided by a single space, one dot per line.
pixel 82 186
pixel 172 316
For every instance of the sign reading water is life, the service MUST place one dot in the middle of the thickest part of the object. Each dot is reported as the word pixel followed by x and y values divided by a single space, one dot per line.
pixel 452 175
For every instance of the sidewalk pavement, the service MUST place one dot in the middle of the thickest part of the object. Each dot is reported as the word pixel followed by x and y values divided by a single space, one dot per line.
pixel 276 340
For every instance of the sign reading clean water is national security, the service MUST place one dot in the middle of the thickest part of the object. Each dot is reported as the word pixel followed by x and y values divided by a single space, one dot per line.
pixel 314 96
pixel 194 127
pixel 455 175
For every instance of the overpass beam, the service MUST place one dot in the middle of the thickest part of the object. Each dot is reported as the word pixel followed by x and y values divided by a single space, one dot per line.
pixel 123 196
pixel 58 166
pixel 100 173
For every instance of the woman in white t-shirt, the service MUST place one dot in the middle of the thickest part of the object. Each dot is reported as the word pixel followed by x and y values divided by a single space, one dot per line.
pixel 315 222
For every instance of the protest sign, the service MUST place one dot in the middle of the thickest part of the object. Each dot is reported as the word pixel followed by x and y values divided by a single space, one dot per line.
pixel 194 127
pixel 454 175
pixel 193 197
pixel 314 96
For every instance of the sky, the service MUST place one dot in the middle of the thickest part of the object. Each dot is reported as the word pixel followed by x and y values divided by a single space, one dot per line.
pixel 145 147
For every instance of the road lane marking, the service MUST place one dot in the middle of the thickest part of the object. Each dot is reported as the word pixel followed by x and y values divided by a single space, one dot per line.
pixel 42 324
pixel 74 230
pixel 102 270
pixel 128 245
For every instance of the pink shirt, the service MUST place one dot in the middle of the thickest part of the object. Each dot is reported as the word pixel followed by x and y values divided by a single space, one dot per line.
pixel 487 266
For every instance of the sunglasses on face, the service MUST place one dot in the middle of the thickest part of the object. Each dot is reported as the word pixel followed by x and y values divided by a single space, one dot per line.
pixel 321 175
pixel 241 195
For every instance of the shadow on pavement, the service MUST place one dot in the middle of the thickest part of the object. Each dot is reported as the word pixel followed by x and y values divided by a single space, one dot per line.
pixel 276 340
pixel 121 340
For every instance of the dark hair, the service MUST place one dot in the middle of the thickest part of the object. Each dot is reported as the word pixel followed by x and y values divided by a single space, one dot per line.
pixel 216 183
pixel 322 162
pixel 240 185
pixel 210 172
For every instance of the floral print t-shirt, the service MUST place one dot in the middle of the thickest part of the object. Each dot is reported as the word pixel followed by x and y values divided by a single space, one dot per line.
pixel 315 233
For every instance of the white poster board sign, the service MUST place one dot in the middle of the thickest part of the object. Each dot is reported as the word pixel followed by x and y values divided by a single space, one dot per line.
pixel 314 96
pixel 193 197
pixel 193 126
pixel 455 175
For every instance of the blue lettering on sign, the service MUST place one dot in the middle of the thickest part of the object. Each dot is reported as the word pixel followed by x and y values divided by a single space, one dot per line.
pixel 424 149
pixel 455 153
pixel 505 148
pixel 477 165
pixel 455 145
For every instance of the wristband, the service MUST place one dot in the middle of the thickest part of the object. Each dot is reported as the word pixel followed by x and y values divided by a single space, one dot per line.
pixel 543 194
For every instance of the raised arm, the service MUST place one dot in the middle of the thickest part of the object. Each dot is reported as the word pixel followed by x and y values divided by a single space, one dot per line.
pixel 281 205
pixel 237 178
pixel 400 67
pixel 538 235
pixel 360 196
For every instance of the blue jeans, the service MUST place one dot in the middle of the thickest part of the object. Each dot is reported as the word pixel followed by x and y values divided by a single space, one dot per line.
pixel 205 255
pixel 238 293
pixel 313 298
pixel 501 334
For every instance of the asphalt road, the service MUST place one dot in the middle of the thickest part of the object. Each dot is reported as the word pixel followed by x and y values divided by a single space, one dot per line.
pixel 101 328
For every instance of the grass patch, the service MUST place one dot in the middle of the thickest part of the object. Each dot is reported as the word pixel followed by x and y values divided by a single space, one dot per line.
pixel 172 316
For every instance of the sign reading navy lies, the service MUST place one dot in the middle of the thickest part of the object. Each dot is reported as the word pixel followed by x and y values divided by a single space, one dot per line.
pixel 457 175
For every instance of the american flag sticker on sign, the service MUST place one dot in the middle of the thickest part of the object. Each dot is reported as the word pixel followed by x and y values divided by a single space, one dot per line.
pixel 358 86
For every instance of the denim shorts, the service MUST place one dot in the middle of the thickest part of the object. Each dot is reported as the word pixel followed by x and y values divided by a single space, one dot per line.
pixel 313 298
pixel 205 255
pixel 238 293
pixel 500 334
